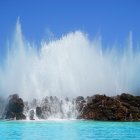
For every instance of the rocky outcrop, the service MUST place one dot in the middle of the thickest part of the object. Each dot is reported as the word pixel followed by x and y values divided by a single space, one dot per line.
pixel 32 113
pixel 53 107
pixel 39 112
pixel 124 107
pixel 80 102
pixel 14 108
pixel 130 99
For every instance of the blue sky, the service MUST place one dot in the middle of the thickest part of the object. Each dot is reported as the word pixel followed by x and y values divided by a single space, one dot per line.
pixel 113 19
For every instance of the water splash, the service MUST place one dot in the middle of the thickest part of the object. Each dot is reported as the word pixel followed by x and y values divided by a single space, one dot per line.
pixel 70 66
pixel 51 108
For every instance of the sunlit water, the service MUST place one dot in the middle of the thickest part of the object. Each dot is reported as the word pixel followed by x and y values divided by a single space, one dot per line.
pixel 69 130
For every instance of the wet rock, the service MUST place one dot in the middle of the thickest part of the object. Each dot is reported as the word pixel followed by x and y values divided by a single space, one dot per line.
pixel 80 103
pixel 130 99
pixel 46 100
pixel 32 114
pixel 26 106
pixel 80 99
pixel 14 109
pixel 39 112
pixel 20 116
pixel 124 107
pixel 121 108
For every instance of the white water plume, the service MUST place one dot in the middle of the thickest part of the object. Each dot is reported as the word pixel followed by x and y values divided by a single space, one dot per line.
pixel 51 108
pixel 70 66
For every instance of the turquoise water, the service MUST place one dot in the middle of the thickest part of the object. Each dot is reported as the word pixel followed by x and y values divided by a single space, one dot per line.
pixel 69 130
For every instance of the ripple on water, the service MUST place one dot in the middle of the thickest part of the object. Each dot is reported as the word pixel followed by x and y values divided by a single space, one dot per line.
pixel 69 130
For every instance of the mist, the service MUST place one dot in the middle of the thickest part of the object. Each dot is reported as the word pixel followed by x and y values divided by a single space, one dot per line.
pixel 70 66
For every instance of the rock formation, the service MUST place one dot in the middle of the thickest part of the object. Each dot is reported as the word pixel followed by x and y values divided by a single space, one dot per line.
pixel 39 112
pixel 14 108
pixel 32 113
pixel 124 107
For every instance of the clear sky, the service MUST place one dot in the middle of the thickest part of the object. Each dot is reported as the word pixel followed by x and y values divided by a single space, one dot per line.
pixel 113 19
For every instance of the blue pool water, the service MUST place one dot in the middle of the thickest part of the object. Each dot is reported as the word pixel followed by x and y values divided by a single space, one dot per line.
pixel 69 130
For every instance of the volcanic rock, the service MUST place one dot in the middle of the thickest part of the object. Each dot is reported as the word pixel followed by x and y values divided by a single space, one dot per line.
pixel 80 103
pixel 121 108
pixel 130 99
pixel 14 109
pixel 32 114
pixel 39 112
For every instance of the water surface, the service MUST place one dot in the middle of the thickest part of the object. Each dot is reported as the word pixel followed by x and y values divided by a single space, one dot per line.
pixel 69 130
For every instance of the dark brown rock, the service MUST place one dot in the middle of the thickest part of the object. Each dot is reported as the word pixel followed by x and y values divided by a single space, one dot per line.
pixel 121 108
pixel 130 99
pixel 20 116
pixel 14 109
